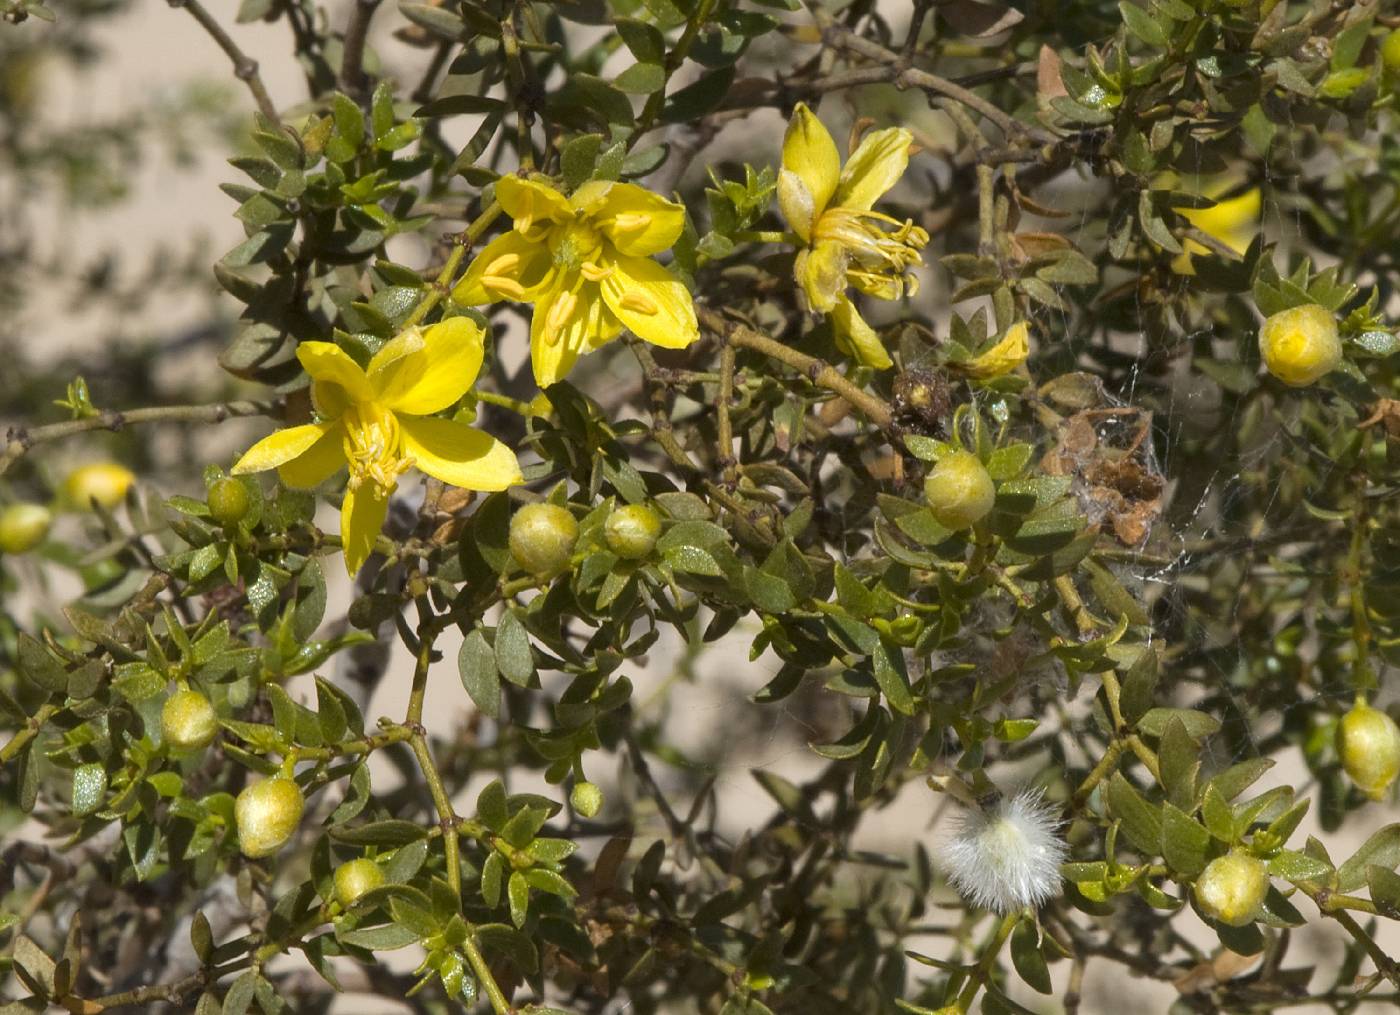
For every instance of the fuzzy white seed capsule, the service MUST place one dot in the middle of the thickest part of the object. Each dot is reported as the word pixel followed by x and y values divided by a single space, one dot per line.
pixel 1007 856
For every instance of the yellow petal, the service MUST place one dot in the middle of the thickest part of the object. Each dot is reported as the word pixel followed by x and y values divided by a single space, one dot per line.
pixel 457 454
pixel 281 447
pixel 821 272
pixel 650 302
pixel 809 152
pixel 530 201
pixel 434 375
pixel 518 267
pixel 568 322
pixel 875 167
pixel 1001 358
pixel 638 222
pixel 796 203
pixel 317 463
pixel 857 338
pixel 328 362
pixel 1234 222
pixel 361 518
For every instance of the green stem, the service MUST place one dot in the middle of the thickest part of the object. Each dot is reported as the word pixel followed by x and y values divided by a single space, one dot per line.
pixel 657 99
pixel 442 285
pixel 982 974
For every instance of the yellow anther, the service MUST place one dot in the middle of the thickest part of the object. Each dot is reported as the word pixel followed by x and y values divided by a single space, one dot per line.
pixel 639 303
pixel 508 287
pixel 631 222
pixel 594 272
pixel 503 265
pixel 558 317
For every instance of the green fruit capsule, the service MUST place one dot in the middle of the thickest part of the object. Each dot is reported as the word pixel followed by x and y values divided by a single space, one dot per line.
pixel 1232 887
pixel 267 814
pixel 1369 742
pixel 23 527
pixel 228 501
pixel 542 538
pixel 959 491
pixel 1300 345
pixel 356 877
pixel 188 722
pixel 631 531
pixel 586 798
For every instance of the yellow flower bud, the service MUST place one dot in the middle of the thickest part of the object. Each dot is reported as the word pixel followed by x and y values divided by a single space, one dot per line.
pixel 356 877
pixel 267 813
pixel 228 501
pixel 542 538
pixel 1300 345
pixel 586 798
pixel 105 483
pixel 959 490
pixel 1369 742
pixel 1232 887
pixel 23 527
pixel 631 531
pixel 188 722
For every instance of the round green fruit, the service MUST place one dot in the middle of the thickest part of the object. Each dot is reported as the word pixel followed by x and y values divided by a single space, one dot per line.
pixel 631 531
pixel 586 798
pixel 959 491
pixel 228 501
pixel 356 877
pixel 188 722
pixel 542 538
pixel 1369 742
pixel 1231 888
pixel 267 814
pixel 23 527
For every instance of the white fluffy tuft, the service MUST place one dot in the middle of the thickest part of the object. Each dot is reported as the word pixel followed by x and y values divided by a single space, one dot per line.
pixel 1008 856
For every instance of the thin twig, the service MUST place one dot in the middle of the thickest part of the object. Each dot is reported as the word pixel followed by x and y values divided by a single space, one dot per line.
pixel 817 371
pixel 352 62
pixel 19 439
pixel 245 68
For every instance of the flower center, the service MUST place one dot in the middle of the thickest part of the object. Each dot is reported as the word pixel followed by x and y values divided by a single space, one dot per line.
pixel 579 243
pixel 372 445
pixel 882 249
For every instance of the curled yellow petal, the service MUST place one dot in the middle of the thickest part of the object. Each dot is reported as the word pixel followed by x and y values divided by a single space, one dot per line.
pixel 857 338
pixel 317 463
pixel 810 155
pixel 821 271
pixel 530 201
pixel 874 168
pixel 329 363
pixel 1001 358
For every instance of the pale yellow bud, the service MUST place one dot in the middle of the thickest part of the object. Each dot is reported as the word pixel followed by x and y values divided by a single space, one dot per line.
pixel 1300 345
pixel 959 490
pixel 1369 742
pixel 1232 888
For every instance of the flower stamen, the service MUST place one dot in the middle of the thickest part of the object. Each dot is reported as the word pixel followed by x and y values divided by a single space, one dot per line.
pixel 639 303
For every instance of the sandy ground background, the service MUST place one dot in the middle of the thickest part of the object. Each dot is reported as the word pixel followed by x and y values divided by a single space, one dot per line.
pixel 155 48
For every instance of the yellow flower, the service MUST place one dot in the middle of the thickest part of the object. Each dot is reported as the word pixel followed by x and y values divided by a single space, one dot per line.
pixel 845 242
pixel 1001 358
pixel 379 421
pixel 1234 222
pixel 585 262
